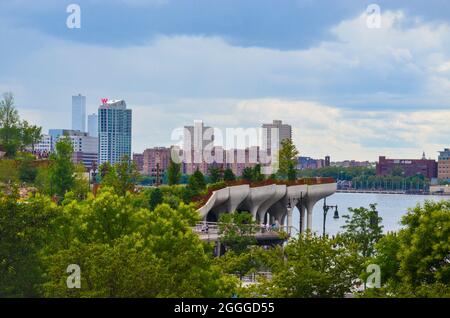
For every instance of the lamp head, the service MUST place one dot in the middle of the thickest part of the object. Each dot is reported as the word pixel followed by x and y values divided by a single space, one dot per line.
pixel 336 214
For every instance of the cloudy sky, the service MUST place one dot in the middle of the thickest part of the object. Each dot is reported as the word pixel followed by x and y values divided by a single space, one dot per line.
pixel 349 90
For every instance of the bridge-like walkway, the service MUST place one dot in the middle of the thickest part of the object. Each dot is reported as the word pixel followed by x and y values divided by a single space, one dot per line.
pixel 268 203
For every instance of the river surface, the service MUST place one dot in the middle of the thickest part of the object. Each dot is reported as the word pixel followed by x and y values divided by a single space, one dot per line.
pixel 391 208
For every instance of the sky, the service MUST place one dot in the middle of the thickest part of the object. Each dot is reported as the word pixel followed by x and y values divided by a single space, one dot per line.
pixel 350 88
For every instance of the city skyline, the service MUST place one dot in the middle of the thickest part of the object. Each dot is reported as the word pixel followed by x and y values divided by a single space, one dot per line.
pixel 347 90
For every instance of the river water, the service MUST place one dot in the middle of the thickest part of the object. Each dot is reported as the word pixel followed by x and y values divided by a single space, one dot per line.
pixel 391 208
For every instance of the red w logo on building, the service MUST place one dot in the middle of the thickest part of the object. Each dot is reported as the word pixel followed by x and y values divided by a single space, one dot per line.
pixel 104 100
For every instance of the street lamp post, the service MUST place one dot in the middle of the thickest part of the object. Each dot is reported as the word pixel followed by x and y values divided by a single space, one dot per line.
pixel 325 212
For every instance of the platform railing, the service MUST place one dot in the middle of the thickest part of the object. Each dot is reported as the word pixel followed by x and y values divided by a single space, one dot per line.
pixel 211 230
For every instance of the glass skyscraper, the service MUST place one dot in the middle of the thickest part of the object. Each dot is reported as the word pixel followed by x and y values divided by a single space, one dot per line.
pixel 93 125
pixel 79 113
pixel 114 131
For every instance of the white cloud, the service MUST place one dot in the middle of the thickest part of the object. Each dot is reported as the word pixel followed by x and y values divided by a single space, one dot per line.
pixel 322 91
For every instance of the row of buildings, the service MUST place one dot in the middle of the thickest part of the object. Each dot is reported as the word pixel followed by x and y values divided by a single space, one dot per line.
pixel 109 135
pixel 199 140
pixel 106 139
pixel 305 163
pixel 429 168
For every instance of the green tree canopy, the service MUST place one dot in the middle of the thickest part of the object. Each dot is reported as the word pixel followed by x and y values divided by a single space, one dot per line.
pixel 287 159
pixel 247 174
pixel 214 174
pixel 173 172
pixel 122 177
pixel 311 266
pixel 124 251
pixel 197 181
pixel 237 231
pixel 415 261
pixel 62 170
pixel 25 230
pixel 257 175
pixel 155 198
pixel 228 175
pixel 424 253
pixel 15 135
pixel 10 134
pixel 363 226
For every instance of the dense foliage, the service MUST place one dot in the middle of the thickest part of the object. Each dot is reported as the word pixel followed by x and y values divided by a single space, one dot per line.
pixel 15 135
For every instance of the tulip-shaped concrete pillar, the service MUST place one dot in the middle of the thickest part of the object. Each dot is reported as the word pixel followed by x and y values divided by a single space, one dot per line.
pixel 301 226
pixel 289 220
pixel 315 193
pixel 309 214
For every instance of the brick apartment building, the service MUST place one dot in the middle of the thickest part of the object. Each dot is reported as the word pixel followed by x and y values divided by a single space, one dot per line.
pixel 410 167
pixel 444 164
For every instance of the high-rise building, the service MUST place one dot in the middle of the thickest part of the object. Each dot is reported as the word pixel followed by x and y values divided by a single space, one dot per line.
pixel 138 159
pixel 93 125
pixel 114 131
pixel 444 164
pixel 79 112
pixel 239 159
pixel 156 162
pixel 195 139
pixel 284 132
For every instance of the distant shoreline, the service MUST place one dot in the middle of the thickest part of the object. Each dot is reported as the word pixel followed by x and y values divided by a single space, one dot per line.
pixel 393 192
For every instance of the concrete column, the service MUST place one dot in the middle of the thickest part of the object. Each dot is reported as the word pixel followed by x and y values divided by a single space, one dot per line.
pixel 289 220
pixel 302 219
pixel 309 211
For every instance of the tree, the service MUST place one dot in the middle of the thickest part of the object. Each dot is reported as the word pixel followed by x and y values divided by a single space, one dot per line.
pixel 415 261
pixel 244 263
pixel 173 172
pixel 257 175
pixel 129 251
pixel 25 230
pixel 287 158
pixel 197 181
pixel 155 198
pixel 27 171
pixel 228 175
pixel 214 174
pixel 247 174
pixel 62 170
pixel 104 169
pixel 31 135
pixel 386 251
pixel 8 171
pixel 9 125
pixel 237 231
pixel 311 266
pixel 364 228
pixel 424 246
pixel 127 176
pixel 122 177
pixel 292 172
